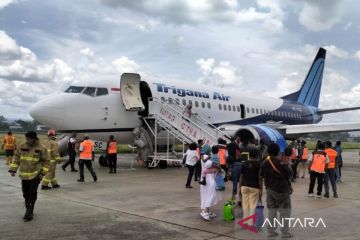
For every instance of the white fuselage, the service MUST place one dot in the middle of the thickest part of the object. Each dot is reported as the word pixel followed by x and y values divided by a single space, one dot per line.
pixel 101 116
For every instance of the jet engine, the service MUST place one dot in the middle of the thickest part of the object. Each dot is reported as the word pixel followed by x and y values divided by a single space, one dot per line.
pixel 63 144
pixel 257 132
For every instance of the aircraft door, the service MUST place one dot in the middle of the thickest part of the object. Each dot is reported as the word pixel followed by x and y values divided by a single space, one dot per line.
pixel 130 92
pixel 242 110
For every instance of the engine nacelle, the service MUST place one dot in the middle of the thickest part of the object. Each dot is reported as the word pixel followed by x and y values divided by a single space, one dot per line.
pixel 63 145
pixel 258 131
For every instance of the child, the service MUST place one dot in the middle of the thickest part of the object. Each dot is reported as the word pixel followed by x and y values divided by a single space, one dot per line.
pixel 215 164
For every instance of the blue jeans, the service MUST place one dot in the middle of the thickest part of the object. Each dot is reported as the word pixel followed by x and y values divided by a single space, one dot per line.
pixel 235 176
pixel 329 175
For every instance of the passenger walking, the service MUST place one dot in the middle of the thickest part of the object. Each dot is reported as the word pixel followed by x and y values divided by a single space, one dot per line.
pixel 53 150
pixel 317 170
pixel 303 159
pixel 223 156
pixel 9 145
pixel 262 150
pixel 72 153
pixel 191 158
pixel 188 110
pixel 296 155
pixel 339 162
pixel 235 172
pixel 197 169
pixel 245 148
pixel 111 150
pixel 87 155
pixel 214 167
pixel 330 170
pixel 277 174
pixel 32 160
pixel 249 186
pixel 208 194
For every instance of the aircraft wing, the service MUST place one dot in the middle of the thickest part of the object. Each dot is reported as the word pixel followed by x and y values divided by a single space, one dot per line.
pixel 319 128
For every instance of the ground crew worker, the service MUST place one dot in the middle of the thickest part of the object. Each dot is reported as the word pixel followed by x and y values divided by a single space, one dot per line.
pixel 303 159
pixel 87 155
pixel 72 153
pixel 294 160
pixel 9 145
pixel 330 170
pixel 32 160
pixel 53 151
pixel 222 157
pixel 111 150
pixel 317 169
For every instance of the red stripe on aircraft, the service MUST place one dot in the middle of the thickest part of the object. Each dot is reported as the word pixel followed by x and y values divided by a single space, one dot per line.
pixel 115 89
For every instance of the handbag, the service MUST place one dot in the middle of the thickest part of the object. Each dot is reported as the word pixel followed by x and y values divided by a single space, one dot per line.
pixel 220 183
pixel 259 211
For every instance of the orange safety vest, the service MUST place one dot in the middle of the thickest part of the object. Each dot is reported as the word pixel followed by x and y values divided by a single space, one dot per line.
pixel 293 153
pixel 222 155
pixel 305 154
pixel 87 149
pixel 318 162
pixel 332 157
pixel 112 147
pixel 9 142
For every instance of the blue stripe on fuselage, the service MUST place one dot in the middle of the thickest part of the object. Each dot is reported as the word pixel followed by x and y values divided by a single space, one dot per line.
pixel 308 116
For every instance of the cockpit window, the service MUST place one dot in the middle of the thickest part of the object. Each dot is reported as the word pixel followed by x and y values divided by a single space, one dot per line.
pixel 101 92
pixel 74 89
pixel 90 91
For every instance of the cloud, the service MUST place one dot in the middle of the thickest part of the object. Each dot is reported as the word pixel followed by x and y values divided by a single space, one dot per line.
pixel 4 3
pixel 357 55
pixel 221 74
pixel 124 64
pixel 199 12
pixel 332 50
pixel 321 15
pixel 87 52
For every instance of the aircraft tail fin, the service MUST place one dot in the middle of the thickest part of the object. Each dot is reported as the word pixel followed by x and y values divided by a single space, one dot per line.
pixel 309 92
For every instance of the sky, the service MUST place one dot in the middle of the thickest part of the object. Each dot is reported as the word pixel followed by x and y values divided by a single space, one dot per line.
pixel 259 46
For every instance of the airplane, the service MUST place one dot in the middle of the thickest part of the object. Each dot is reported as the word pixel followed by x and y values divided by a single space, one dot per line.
pixel 103 108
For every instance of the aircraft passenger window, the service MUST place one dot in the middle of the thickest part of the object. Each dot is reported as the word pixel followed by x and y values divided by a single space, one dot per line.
pixel 234 109
pixel 225 107
pixel 253 110
pixel 170 101
pixel 196 104
pixel 220 106
pixel 184 102
pixel 74 89
pixel 229 107
pixel 190 102
pixel 238 108
pixel 101 92
pixel 90 91
pixel 162 99
pixel 177 101
pixel 202 104
pixel 248 110
pixel 208 105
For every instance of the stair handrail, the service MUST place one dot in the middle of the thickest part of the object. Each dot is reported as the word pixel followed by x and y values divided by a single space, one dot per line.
pixel 180 113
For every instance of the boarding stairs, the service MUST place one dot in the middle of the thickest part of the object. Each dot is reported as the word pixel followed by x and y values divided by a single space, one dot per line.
pixel 170 116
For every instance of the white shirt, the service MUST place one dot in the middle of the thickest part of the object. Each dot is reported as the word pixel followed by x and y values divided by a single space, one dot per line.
pixel 191 157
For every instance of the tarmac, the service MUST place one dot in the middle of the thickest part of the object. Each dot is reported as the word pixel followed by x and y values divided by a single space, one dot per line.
pixel 154 204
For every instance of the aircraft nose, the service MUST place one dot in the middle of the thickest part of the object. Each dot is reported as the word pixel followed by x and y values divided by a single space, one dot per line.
pixel 49 111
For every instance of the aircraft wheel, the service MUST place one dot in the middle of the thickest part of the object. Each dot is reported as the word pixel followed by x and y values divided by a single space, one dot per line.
pixel 148 164
pixel 163 164
pixel 103 161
